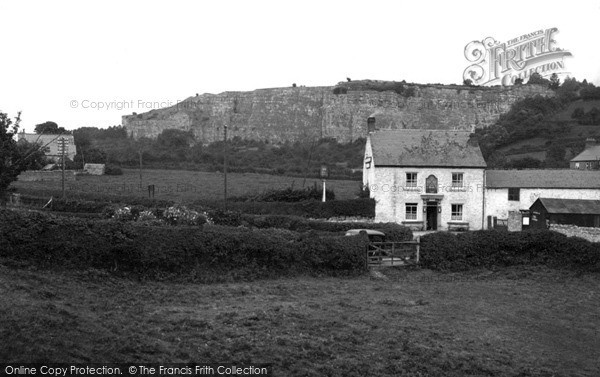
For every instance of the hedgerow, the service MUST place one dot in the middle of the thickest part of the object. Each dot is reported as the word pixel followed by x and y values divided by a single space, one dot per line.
pixel 206 253
pixel 492 249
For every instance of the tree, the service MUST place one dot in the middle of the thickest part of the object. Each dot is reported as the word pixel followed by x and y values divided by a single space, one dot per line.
pixel 51 128
pixel 468 82
pixel 554 82
pixel 14 158
pixel 536 78
pixel 519 81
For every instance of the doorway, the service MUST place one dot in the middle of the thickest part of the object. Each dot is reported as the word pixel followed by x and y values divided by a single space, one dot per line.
pixel 432 215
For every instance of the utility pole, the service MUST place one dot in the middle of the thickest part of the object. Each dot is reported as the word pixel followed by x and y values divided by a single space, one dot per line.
pixel 140 153
pixel 62 148
pixel 225 167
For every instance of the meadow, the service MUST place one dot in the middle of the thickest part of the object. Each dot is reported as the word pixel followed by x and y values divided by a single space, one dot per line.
pixel 180 185
pixel 511 322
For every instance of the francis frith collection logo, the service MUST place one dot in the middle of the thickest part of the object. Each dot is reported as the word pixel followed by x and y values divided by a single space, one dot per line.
pixel 496 63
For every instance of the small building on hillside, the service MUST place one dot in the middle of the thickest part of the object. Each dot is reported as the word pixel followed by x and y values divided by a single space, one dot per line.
pixel 51 144
pixel 517 190
pixel 425 179
pixel 589 158
pixel 579 212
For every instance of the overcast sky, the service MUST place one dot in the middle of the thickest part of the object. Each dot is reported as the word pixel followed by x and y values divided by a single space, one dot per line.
pixel 61 58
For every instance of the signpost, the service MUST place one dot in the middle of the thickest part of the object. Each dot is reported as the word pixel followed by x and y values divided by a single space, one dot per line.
pixel 324 176
pixel 63 146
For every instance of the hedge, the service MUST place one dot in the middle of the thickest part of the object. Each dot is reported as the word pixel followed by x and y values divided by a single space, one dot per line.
pixel 364 207
pixel 493 248
pixel 204 254
pixel 393 231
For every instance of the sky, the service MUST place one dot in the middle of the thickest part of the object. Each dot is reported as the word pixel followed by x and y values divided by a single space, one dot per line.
pixel 87 63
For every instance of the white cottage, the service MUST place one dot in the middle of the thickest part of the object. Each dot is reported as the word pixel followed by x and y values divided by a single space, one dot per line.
pixel 425 179
pixel 517 190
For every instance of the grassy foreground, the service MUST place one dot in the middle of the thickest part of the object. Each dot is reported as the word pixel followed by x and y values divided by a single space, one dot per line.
pixel 515 322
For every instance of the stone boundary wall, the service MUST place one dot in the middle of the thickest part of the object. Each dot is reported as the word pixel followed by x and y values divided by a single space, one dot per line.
pixel 590 234
pixel 39 175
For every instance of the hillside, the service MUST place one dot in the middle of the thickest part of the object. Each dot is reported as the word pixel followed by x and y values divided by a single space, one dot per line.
pixel 544 131
pixel 340 112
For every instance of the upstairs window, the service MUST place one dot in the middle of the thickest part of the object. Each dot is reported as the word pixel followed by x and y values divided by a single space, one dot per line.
pixel 411 211
pixel 431 185
pixel 514 194
pixel 368 162
pixel 457 180
pixel 411 179
pixel 457 212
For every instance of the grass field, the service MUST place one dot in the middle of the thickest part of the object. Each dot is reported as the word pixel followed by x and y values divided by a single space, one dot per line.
pixel 515 322
pixel 181 185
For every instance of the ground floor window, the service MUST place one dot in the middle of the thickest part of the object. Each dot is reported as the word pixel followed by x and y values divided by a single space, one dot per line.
pixel 411 211
pixel 457 212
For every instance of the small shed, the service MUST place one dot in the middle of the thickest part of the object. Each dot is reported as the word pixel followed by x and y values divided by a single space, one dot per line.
pixel 579 212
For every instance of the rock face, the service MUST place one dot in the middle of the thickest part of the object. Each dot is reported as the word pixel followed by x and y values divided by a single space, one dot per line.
pixel 306 113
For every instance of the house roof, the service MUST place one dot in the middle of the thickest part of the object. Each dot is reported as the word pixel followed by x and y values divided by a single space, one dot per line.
pixel 425 148
pixel 590 154
pixel 570 206
pixel 548 178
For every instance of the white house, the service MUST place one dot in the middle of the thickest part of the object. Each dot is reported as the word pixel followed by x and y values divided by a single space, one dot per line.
pixel 51 144
pixel 517 190
pixel 425 179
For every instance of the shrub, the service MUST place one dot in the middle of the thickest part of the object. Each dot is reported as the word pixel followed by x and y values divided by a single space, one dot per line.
pixel 393 231
pixel 112 170
pixel 214 253
pixel 314 209
pixel 288 195
pixel 492 248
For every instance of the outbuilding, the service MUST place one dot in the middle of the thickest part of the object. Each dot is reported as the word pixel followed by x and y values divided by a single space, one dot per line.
pixel 579 212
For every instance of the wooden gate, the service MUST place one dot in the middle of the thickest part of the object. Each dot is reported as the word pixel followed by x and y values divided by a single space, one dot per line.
pixel 403 253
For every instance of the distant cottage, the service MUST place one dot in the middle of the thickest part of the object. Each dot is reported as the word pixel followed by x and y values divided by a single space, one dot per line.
pixel 51 144
pixel 588 159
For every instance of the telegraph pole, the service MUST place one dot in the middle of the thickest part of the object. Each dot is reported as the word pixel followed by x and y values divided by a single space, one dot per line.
pixel 62 147
pixel 225 167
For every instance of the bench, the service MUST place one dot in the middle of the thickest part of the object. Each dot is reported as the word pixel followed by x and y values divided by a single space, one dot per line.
pixel 462 226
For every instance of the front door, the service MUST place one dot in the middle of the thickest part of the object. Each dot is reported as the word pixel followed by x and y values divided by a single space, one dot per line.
pixel 432 214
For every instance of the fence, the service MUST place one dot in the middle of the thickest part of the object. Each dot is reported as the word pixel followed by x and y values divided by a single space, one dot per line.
pixel 379 254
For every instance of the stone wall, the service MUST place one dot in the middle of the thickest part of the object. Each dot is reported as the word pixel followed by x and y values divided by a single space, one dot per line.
pixel 39 175
pixel 304 113
pixel 590 234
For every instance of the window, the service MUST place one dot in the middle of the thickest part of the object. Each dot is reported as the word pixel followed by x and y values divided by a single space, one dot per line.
pixel 513 194
pixel 411 211
pixel 457 212
pixel 368 162
pixel 431 185
pixel 577 165
pixel 411 179
pixel 457 179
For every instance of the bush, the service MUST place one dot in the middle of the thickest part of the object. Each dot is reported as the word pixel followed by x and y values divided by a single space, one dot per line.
pixel 214 253
pixel 314 209
pixel 393 231
pixel 492 248
pixel 287 195
pixel 113 170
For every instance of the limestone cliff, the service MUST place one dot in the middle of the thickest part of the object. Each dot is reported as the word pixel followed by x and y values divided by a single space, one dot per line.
pixel 305 113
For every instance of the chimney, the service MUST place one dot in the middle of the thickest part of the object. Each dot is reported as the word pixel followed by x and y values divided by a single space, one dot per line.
pixel 371 125
pixel 590 142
